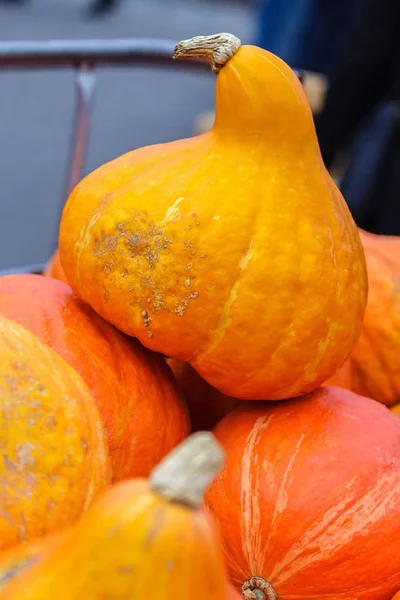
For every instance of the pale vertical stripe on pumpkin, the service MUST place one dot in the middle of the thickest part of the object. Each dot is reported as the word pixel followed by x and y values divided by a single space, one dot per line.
pixel 282 496
pixel 250 518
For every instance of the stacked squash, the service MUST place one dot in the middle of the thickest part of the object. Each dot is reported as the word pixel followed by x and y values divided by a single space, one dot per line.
pixel 223 278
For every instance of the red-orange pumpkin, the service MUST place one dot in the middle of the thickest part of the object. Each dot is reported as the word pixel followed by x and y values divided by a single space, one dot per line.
pixel 309 500
pixel 206 404
pixel 231 593
pixel 144 414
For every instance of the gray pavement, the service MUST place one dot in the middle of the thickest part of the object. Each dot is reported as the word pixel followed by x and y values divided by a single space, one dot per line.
pixel 133 107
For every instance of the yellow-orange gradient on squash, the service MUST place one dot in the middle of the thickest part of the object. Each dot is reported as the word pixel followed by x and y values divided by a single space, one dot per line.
pixel 54 457
pixel 234 250
pixel 150 539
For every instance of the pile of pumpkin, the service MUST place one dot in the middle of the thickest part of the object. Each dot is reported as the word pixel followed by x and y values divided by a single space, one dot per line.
pixel 215 283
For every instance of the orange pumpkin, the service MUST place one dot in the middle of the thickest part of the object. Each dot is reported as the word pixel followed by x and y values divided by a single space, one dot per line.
pixel 373 368
pixel 396 596
pixel 206 404
pixel 375 360
pixel 54 456
pixel 144 414
pixel 309 500
pixel 234 250
pixel 143 539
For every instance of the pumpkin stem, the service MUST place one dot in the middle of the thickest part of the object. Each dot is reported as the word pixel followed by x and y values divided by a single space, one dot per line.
pixel 257 588
pixel 217 49
pixel 185 474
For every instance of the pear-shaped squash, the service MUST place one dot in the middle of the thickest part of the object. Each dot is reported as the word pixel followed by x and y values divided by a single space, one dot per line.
pixel 54 268
pixel 143 412
pixel 234 250
pixel 148 539
pixel 53 453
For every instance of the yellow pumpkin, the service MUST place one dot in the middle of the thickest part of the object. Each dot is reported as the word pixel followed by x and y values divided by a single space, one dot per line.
pixel 53 452
pixel 233 250
pixel 143 538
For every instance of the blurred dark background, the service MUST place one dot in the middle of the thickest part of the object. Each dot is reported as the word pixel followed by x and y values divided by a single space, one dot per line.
pixel 133 106
pixel 349 51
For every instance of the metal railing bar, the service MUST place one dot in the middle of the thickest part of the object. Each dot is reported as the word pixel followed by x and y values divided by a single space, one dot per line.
pixel 70 53
pixel 85 83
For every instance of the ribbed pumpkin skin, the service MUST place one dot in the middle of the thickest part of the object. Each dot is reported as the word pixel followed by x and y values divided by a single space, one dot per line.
pixel 231 593
pixel 234 250
pixel 375 360
pixel 310 496
pixel 206 404
pixel 143 412
pixel 132 544
pixel 54 268
pixel 54 458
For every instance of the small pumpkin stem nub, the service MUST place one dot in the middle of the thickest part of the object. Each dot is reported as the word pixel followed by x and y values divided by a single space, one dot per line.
pixel 185 474
pixel 257 588
pixel 217 49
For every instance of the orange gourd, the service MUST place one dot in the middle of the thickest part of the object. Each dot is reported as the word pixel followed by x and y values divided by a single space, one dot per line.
pixel 233 250
pixel 206 404
pixel 375 360
pixel 143 412
pixel 309 500
pixel 54 268
pixel 148 539
pixel 21 557
pixel 54 457
pixel 373 368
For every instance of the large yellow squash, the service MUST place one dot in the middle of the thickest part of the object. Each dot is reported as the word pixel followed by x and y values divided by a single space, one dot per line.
pixel 233 250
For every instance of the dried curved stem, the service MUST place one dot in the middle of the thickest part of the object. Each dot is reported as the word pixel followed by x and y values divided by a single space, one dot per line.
pixel 185 474
pixel 216 49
